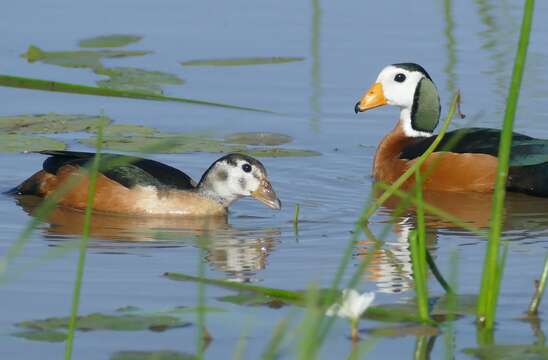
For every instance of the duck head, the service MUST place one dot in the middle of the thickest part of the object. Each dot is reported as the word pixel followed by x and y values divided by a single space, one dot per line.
pixel 408 86
pixel 235 176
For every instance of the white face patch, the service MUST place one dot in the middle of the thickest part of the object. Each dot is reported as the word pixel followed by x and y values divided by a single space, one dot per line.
pixel 237 182
pixel 401 94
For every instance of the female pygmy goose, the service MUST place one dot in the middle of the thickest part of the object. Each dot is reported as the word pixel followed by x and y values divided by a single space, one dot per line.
pixel 137 186
pixel 465 160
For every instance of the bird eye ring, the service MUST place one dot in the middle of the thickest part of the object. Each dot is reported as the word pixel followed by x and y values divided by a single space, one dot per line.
pixel 246 168
pixel 400 78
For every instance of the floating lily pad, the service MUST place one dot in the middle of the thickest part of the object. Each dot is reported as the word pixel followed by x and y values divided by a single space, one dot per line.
pixel 77 59
pixel 51 123
pixel 42 335
pixel 128 130
pixel 151 355
pixel 185 143
pixel 135 79
pixel 109 41
pixel 97 321
pixel 164 143
pixel 242 61
pixel 280 152
pixel 509 352
pixel 258 138
pixel 128 309
pixel 405 330
pixel 20 143
pixel 186 309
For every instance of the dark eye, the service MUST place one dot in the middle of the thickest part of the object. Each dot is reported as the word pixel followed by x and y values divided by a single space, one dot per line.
pixel 246 167
pixel 399 77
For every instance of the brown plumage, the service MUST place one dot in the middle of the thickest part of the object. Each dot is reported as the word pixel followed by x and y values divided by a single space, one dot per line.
pixel 443 170
pixel 113 197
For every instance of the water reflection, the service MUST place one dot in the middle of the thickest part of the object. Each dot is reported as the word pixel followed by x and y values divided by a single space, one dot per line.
pixel 498 41
pixel 526 219
pixel 316 90
pixel 451 46
pixel 239 253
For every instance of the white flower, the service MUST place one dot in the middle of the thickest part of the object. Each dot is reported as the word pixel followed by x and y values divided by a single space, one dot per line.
pixel 353 304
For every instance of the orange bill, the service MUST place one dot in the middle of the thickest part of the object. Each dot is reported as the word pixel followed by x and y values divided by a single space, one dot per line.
pixel 374 97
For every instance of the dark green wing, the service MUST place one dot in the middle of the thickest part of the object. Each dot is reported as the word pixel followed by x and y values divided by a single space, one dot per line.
pixel 525 151
pixel 127 170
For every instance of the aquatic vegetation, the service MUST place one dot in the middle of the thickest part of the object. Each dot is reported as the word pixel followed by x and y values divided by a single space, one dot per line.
pixel 109 41
pixel 51 123
pixel 58 86
pixel 77 59
pixel 20 143
pixel 99 321
pixel 258 138
pixel 135 79
pixel 242 61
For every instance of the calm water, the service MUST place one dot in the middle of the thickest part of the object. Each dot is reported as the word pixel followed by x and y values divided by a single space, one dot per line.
pixel 468 45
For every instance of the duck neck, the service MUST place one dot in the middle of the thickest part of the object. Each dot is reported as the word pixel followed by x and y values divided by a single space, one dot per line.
pixel 406 122
pixel 214 192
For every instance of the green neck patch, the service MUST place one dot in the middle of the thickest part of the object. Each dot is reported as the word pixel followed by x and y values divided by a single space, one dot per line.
pixel 426 109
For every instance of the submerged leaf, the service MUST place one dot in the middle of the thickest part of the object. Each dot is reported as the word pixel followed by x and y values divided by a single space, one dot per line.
pixel 97 321
pixel 405 330
pixel 51 123
pixel 152 355
pixel 258 138
pixel 20 143
pixel 509 352
pixel 109 41
pixel 76 59
pixel 135 79
pixel 185 143
pixel 280 152
pixel 242 61
pixel 127 130
pixel 42 335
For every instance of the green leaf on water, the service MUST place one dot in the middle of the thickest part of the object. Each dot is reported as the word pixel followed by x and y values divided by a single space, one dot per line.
pixel 51 123
pixel 242 61
pixel 128 309
pixel 191 310
pixel 97 321
pixel 109 41
pixel 135 79
pixel 179 143
pixel 185 143
pixel 42 335
pixel 509 352
pixel 76 59
pixel 152 355
pixel 280 152
pixel 258 138
pixel 57 86
pixel 20 143
pixel 405 330
pixel 128 130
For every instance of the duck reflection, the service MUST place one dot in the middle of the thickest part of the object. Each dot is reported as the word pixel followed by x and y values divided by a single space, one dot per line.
pixel 391 266
pixel 239 253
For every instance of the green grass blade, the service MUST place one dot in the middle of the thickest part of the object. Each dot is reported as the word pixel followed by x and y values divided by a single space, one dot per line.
pixel 92 179
pixel 57 86
pixel 419 276
pixel 539 291
pixel 278 335
pixel 487 300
